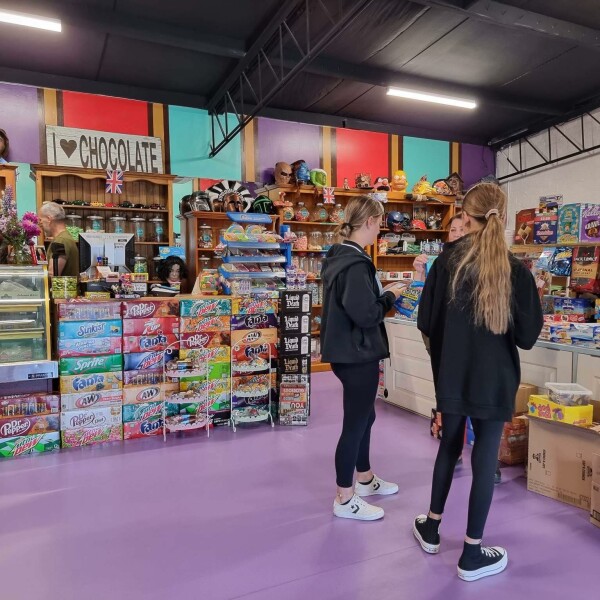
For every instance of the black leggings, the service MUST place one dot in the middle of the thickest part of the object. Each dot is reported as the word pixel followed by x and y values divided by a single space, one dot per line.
pixel 360 382
pixel 484 460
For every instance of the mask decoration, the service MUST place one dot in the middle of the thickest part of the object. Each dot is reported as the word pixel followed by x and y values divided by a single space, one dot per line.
pixel 318 177
pixel 362 181
pixel 301 172
pixel 283 173
pixel 442 188
pixel 200 201
pixel 399 181
pixel 230 196
pixel 423 187
pixel 398 221
pixel 434 221
pixel 456 183
pixel 263 205
pixel 382 184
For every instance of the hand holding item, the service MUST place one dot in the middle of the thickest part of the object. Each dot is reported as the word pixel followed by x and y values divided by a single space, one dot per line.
pixel 420 266
pixel 397 287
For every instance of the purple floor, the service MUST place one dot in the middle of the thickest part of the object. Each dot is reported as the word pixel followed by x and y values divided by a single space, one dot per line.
pixel 248 515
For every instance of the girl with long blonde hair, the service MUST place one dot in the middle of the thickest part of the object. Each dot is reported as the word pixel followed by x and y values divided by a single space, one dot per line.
pixel 479 305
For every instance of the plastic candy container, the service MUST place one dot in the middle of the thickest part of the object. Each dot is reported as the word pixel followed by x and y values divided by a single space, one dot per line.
pixel 301 213
pixel 337 214
pixel 319 214
pixel 301 242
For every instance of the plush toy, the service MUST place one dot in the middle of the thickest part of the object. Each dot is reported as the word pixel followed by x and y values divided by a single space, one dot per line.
pixel 399 182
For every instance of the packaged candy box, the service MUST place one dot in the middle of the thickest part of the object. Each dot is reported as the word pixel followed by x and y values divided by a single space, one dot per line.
pixel 204 308
pixel 158 341
pixel 205 339
pixel 140 394
pixel 205 323
pixel 17 426
pixel 246 305
pixel 151 326
pixel 91 400
pixel 91 364
pixel 107 416
pixel 72 384
pixel 144 309
pixel 569 217
pixel 85 436
pixel 264 321
pixel 88 310
pixel 148 360
pixel 78 330
pixel 142 412
pixel 29 444
pixel 541 406
pixel 590 223
pixel 86 347
pixel 29 405
pixel 140 429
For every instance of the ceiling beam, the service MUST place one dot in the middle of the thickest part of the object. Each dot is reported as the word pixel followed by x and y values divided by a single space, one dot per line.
pixel 499 13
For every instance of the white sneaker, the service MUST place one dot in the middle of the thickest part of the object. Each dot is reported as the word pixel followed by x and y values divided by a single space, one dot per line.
pixel 357 509
pixel 377 486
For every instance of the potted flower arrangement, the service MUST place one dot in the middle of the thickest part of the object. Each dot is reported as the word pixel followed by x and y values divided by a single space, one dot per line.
pixel 17 234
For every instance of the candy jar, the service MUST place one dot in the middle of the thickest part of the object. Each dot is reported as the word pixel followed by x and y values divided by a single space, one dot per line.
pixel 74 225
pixel 155 262
pixel 139 228
pixel 301 213
pixel 205 237
pixel 337 214
pixel 315 240
pixel 288 213
pixel 328 240
pixel 140 264
pixel 301 242
pixel 158 229
pixel 116 225
pixel 95 224
pixel 319 213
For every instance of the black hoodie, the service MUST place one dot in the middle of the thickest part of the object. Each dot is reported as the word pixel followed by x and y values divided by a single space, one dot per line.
pixel 352 329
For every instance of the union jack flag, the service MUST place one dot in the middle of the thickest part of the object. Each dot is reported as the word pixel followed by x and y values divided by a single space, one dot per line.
pixel 114 181
pixel 328 195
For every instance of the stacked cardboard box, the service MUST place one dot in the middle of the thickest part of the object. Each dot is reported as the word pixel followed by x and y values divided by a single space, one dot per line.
pixel 150 338
pixel 513 444
pixel 91 372
pixel 595 499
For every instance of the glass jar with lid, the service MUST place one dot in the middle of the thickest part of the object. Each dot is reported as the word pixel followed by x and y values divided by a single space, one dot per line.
pixel 158 229
pixel 319 213
pixel 95 223
pixel 288 213
pixel 138 225
pixel 301 214
pixel 116 225
pixel 301 242
pixel 328 240
pixel 204 263
pixel 205 236
pixel 140 264
pixel 337 214
pixel 155 262
pixel 74 225
pixel 315 241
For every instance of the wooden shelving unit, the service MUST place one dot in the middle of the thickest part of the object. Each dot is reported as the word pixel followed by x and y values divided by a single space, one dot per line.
pixel 8 176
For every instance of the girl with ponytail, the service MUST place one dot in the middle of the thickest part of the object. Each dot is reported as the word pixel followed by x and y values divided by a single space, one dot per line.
pixel 479 305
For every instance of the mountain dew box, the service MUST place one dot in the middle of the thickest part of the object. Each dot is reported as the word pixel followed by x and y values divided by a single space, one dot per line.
pixel 29 444
pixel 91 364
pixel 204 308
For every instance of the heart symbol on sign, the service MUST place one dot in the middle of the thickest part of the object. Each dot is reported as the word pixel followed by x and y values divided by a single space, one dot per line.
pixel 69 146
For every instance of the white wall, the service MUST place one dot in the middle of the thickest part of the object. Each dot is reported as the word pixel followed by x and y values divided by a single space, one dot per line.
pixel 576 179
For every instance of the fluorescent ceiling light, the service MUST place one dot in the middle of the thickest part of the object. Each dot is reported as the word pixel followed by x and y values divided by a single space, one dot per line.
pixel 16 18
pixel 424 97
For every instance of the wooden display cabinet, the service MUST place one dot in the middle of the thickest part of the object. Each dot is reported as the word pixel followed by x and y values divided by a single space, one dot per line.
pixel 83 193
pixel 8 176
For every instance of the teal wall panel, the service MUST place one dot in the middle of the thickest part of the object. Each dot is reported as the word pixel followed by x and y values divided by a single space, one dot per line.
pixel 25 189
pixel 425 157
pixel 179 191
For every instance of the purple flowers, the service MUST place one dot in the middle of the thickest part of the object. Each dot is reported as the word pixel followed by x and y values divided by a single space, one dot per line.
pixel 17 232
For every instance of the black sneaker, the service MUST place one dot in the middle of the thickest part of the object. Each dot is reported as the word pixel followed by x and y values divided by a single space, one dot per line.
pixel 478 561
pixel 426 531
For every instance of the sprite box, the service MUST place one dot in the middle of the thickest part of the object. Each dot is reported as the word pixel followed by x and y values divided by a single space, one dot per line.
pixel 29 444
pixel 91 364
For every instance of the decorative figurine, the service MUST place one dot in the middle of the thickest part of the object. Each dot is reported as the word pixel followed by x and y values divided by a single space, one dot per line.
pixel 362 181
pixel 301 172
pixel 346 184
pixel 399 182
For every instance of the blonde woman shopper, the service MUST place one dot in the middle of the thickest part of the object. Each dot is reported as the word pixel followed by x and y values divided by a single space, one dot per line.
pixel 479 305
pixel 353 340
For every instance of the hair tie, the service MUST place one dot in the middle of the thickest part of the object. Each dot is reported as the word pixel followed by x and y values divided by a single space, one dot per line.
pixel 492 211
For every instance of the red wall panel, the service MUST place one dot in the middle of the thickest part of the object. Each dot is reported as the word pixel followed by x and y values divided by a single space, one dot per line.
pixel 361 152
pixel 102 113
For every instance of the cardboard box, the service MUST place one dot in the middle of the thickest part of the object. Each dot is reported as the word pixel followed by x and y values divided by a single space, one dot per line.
pixel 158 341
pixel 595 499
pixel 293 404
pixel 295 302
pixel 216 354
pixel 29 444
pixel 524 223
pixel 141 429
pixel 140 361
pixel 29 405
pixel 522 398
pixel 297 323
pixel 292 345
pixel 560 461
pixel 94 382
pixel 83 310
pixel 205 323
pixel 80 330
pixel 545 229
pixel 542 407
pixel 145 309
pixel 253 306
pixel 89 347
pixel 140 394
pixel 264 321
pixel 590 223
pixel 569 217
pixel 253 337
pixel 72 438
pixel 91 364
pixel 205 339
pixel 142 412
pixel 19 426
pixel 513 443
pixel 205 307
pixel 151 326
pixel 90 418
pixel 91 400
pixel 294 365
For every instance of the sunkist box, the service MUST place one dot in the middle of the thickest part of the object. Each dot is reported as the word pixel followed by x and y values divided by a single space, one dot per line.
pixel 560 461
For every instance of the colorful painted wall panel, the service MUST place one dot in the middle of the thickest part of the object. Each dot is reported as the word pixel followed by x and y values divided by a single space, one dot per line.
pixel 425 157
pixel 360 152
pixel 103 113
pixel 25 189
pixel 476 162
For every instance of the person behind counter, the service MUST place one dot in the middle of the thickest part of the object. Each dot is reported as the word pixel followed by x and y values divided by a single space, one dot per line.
pixel 63 246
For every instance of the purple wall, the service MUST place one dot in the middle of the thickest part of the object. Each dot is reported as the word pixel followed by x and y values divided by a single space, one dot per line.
pixel 20 118
pixel 476 162
pixel 285 141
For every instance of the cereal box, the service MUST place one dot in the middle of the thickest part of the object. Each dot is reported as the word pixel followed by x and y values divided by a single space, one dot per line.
pixel 216 354
pixel 107 416
pixel 264 321
pixel 139 394
pixel 148 360
pixel 590 223
pixel 142 412
pixel 91 400
pixel 90 364
pixel 77 330
pixel 253 306
pixel 205 323
pixel 247 337
pixel 89 347
pixel 85 436
pixel 295 302
pixel 545 229
pixel 150 327
pixel 158 341
pixel 295 323
pixel 524 222
pixel 206 307
pixel 250 390
pixel 29 444
pixel 141 429
pixel 294 344
pixel 568 223
pixel 549 204
pixel 28 405
pixel 17 426
pixel 145 309
pixel 86 310
pixel 205 339
pixel 94 382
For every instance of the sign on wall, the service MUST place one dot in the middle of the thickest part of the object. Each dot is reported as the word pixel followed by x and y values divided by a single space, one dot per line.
pixel 71 147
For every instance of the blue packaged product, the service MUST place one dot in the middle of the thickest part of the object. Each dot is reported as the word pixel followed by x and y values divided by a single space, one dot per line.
pixel 560 263
pixel 408 301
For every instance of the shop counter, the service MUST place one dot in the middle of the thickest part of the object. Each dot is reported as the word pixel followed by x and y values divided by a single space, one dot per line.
pixel 409 380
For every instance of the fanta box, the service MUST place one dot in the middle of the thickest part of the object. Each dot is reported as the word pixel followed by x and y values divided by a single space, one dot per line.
pixel 89 347
pixel 94 382
pixel 145 309
pixel 91 400
pixel 142 412
pixel 85 436
pixel 91 364
pixel 141 429
pixel 151 326
pixel 107 416
pixel 148 360
pixel 16 426
pixel 205 323
pixel 541 406
pixel 140 394
pixel 80 330
pixel 29 444
pixel 264 321
pixel 206 307
pixel 158 341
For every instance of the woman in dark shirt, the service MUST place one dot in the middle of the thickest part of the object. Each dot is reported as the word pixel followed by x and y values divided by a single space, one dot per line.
pixel 478 305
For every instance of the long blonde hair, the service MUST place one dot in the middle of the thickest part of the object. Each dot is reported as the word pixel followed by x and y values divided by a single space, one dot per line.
pixel 356 214
pixel 483 259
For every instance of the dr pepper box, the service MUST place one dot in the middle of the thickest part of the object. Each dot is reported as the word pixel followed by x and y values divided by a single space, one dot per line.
pixel 84 310
pixel 95 417
pixel 295 302
pixel 205 339
pixel 208 307
pixel 151 326
pixel 145 309
pixel 91 400
pixel 29 444
pixel 91 364
pixel 545 229
pixel 17 426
